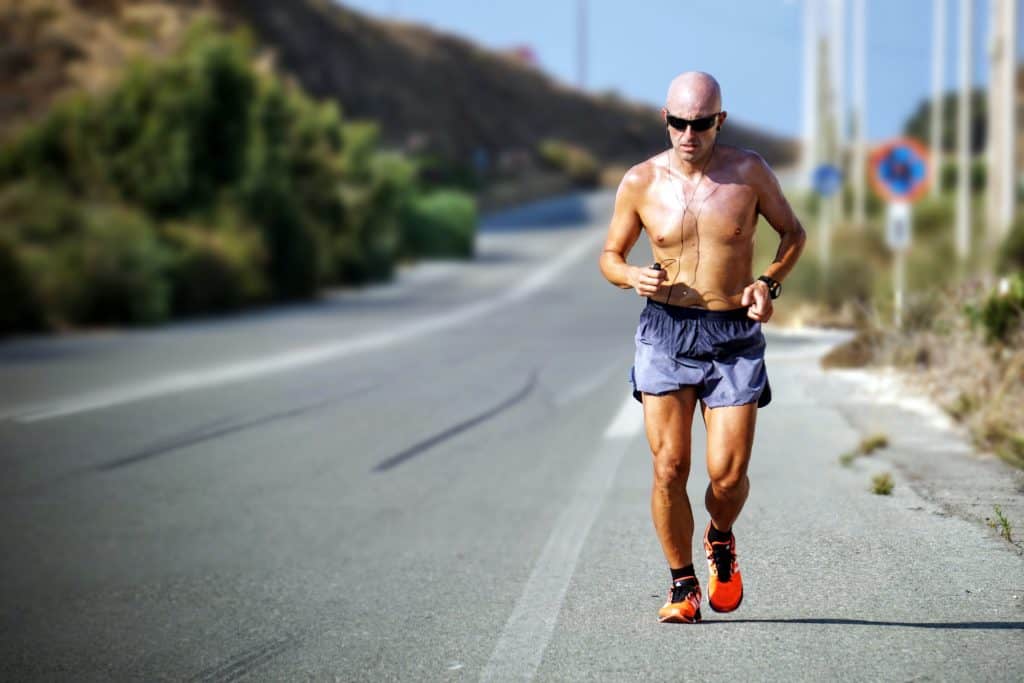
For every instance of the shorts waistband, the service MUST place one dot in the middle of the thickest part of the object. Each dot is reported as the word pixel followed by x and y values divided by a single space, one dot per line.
pixel 691 313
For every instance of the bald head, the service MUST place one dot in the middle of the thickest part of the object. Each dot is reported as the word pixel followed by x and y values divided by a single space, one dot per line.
pixel 693 94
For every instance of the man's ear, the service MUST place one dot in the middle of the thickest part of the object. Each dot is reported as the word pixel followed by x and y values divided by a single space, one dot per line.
pixel 664 115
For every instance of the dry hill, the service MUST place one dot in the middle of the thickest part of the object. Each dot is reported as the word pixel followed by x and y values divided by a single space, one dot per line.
pixel 428 90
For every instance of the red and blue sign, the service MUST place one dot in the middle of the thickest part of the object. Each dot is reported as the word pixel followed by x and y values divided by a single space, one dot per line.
pixel 901 170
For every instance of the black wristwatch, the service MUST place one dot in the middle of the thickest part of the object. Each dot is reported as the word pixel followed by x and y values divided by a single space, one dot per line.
pixel 774 286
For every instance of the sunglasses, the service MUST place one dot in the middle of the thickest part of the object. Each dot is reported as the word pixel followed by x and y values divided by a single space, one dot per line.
pixel 699 125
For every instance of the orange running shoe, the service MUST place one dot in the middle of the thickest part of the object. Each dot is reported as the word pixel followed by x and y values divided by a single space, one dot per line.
pixel 725 584
pixel 683 605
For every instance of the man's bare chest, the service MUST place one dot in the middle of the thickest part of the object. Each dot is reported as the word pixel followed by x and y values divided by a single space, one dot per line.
pixel 720 212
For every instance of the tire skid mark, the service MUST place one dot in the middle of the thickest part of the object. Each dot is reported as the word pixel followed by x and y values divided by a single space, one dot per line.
pixel 245 662
pixel 428 443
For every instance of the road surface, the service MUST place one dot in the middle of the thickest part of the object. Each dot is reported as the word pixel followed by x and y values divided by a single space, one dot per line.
pixel 445 479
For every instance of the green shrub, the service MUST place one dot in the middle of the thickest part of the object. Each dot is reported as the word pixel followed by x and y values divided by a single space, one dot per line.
pixel 579 164
pixel 441 224
pixel 111 270
pixel 1002 312
pixel 215 270
pixel 950 173
pixel 20 309
pixel 1011 252
pixel 256 191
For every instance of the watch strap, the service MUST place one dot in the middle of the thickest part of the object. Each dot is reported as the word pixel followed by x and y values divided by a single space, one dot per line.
pixel 774 286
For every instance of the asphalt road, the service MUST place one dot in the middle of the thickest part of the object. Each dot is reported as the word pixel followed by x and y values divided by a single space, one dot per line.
pixel 445 479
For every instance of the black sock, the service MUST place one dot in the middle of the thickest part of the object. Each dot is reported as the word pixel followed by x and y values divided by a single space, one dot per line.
pixel 716 536
pixel 684 571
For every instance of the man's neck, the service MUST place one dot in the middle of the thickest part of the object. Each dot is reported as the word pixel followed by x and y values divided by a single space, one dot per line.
pixel 691 170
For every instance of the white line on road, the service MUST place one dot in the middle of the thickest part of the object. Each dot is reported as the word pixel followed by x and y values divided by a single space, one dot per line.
pixel 628 421
pixel 234 372
pixel 526 635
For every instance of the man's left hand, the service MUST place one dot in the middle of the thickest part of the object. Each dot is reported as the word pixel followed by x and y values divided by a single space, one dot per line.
pixel 756 297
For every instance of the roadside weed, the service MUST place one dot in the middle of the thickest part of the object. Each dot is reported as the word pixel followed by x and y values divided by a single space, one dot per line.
pixel 867 446
pixel 1001 524
pixel 881 484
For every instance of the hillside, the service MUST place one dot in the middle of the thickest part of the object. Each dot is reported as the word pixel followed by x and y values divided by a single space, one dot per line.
pixel 429 91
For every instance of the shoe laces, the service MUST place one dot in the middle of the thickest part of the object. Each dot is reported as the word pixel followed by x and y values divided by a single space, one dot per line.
pixel 682 588
pixel 723 557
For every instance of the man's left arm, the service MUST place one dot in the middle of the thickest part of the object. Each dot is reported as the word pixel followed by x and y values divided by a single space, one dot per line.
pixel 772 204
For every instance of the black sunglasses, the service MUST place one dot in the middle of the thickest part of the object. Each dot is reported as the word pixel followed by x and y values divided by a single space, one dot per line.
pixel 699 125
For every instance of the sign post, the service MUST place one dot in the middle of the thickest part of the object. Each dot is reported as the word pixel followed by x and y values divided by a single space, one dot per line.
pixel 826 180
pixel 900 174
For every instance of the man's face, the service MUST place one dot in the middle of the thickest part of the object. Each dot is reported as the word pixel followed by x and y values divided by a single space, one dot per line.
pixel 693 145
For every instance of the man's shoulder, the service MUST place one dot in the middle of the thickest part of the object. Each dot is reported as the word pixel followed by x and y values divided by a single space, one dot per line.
pixel 641 176
pixel 749 167
pixel 743 160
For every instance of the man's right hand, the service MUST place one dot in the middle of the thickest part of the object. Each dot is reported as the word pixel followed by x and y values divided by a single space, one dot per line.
pixel 646 281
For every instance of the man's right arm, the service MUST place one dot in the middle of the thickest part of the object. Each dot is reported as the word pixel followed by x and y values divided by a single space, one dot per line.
pixel 623 232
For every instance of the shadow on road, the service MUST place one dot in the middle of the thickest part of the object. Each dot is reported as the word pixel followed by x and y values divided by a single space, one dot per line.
pixel 959 625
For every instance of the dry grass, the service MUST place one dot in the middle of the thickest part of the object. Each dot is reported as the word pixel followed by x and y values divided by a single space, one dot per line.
pixel 882 484
pixel 977 383
pixel 867 446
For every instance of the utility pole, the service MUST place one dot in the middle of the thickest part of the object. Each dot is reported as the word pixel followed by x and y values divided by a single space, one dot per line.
pixel 963 129
pixel 859 114
pixel 938 78
pixel 809 157
pixel 1000 186
pixel 837 58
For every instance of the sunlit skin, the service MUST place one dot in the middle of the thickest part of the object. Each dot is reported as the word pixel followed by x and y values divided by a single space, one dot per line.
pixel 707 254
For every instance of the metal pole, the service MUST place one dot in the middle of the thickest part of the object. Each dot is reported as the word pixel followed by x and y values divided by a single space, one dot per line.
pixel 963 195
pixel 938 67
pixel 809 157
pixel 859 113
pixel 839 101
pixel 1007 177
pixel 899 281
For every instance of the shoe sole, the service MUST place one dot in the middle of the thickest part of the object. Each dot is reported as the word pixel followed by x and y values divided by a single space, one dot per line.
pixel 725 611
pixel 680 619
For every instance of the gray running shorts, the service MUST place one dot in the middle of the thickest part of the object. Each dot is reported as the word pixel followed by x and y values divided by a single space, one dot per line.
pixel 721 353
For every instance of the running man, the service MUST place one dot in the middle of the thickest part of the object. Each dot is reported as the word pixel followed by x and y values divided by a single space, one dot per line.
pixel 699 337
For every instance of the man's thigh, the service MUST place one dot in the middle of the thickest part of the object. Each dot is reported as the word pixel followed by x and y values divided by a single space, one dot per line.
pixel 730 439
pixel 668 420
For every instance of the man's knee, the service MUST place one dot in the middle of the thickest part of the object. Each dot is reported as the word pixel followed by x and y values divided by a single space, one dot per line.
pixel 671 470
pixel 728 482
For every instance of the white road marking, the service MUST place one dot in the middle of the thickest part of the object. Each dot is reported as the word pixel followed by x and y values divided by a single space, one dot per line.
pixel 628 421
pixel 521 645
pixel 234 372
pixel 586 386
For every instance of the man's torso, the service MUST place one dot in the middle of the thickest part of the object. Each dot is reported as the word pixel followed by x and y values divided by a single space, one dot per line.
pixel 706 250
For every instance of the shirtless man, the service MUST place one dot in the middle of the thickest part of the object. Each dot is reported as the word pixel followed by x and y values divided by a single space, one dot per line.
pixel 699 337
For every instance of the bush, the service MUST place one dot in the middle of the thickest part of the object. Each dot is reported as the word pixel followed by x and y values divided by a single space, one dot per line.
pixel 255 190
pixel 1002 312
pixel 20 310
pixel 440 224
pixel 215 270
pixel 950 173
pixel 576 162
pixel 1011 253
pixel 112 270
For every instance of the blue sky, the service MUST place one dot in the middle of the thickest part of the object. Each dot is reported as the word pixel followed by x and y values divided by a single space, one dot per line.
pixel 753 47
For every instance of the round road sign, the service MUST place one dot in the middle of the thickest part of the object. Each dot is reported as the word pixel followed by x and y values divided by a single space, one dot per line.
pixel 827 179
pixel 901 170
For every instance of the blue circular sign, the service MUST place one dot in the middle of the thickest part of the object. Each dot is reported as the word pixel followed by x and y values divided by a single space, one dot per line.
pixel 827 179
pixel 900 170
